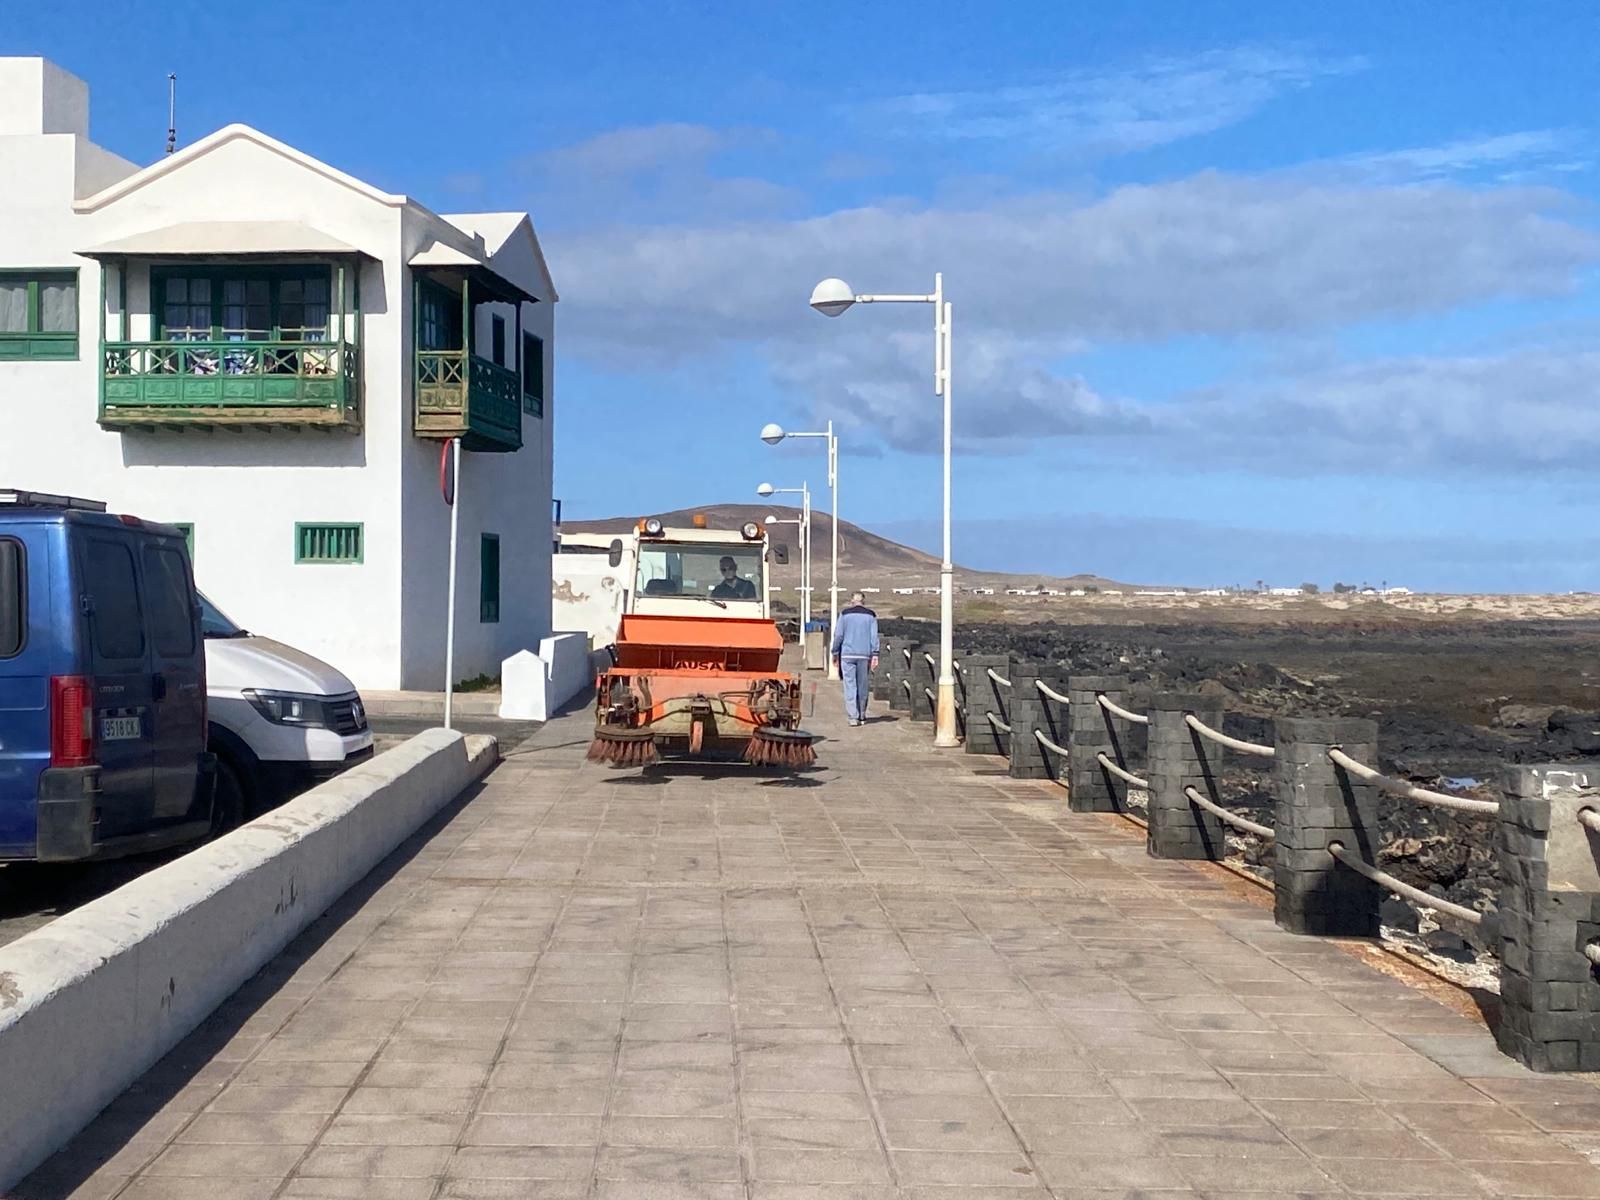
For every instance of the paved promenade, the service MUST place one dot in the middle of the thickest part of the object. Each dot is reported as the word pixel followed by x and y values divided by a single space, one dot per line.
pixel 902 976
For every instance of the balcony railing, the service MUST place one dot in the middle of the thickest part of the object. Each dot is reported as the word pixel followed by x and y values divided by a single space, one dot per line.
pixel 155 384
pixel 461 395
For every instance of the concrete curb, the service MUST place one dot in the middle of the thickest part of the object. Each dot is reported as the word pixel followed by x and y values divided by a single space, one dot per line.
pixel 430 704
pixel 92 1000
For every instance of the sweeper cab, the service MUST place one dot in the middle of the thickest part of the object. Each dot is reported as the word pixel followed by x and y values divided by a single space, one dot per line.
pixel 695 672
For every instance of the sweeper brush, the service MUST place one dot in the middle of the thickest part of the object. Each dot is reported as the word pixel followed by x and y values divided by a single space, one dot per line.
pixel 619 747
pixel 786 748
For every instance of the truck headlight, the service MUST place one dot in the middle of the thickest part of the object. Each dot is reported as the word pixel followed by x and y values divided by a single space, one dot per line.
pixel 290 708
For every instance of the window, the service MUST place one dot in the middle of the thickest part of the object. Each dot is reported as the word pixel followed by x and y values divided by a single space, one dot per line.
pixel 440 319
pixel 117 618
pixel 489 578
pixel 13 597
pixel 533 374
pixel 38 314
pixel 327 543
pixel 166 578
pixel 497 339
pixel 696 571
pixel 244 304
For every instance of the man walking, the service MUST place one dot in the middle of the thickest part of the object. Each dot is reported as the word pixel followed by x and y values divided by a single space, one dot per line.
pixel 855 650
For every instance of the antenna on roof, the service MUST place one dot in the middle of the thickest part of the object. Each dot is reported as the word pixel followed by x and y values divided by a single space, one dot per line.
pixel 172 112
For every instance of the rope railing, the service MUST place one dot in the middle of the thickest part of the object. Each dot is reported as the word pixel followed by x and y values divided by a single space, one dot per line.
pixel 1200 800
pixel 906 650
pixel 906 683
pixel 1050 693
pixel 933 663
pixel 956 667
pixel 932 699
pixel 1120 771
pixel 1222 739
pixel 1000 679
pixel 1399 787
pixel 1590 819
pixel 997 722
pixel 1400 888
pixel 1048 744
pixel 1116 710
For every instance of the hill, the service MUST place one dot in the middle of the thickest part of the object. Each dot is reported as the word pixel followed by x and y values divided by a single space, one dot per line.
pixel 865 558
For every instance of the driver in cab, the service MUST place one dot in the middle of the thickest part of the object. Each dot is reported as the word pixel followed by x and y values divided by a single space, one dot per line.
pixel 732 586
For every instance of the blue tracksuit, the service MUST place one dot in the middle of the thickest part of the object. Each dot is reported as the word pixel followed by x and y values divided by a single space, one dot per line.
pixel 855 645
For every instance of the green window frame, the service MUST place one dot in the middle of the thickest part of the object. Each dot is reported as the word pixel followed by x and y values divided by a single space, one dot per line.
pixel 489 578
pixel 532 374
pixel 243 303
pixel 439 327
pixel 35 324
pixel 497 339
pixel 329 542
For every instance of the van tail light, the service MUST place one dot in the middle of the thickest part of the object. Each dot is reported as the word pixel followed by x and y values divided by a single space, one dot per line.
pixel 71 721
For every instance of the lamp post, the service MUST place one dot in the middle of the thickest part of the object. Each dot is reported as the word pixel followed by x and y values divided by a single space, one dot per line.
pixel 766 489
pixel 772 434
pixel 831 298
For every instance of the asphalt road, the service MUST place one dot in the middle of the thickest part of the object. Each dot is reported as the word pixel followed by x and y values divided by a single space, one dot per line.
pixel 33 894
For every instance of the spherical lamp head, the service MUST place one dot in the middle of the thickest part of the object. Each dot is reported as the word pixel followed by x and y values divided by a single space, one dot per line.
pixel 772 433
pixel 766 489
pixel 771 520
pixel 831 297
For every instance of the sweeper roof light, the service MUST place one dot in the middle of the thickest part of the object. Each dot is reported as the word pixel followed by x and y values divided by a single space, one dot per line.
pixel 751 531
pixel 652 527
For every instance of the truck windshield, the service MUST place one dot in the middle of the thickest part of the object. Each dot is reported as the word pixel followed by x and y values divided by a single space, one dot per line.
pixel 701 571
pixel 214 623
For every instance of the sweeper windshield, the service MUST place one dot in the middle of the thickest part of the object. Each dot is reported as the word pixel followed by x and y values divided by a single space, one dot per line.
pixel 703 571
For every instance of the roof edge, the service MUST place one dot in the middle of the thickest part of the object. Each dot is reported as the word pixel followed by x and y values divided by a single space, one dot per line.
pixel 221 137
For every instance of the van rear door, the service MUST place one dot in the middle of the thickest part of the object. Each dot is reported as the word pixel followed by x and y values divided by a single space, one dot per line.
pixel 25 648
pixel 178 709
pixel 120 660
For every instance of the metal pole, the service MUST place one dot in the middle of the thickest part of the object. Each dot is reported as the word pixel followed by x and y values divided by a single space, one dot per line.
pixel 833 562
pixel 805 559
pixel 450 608
pixel 945 709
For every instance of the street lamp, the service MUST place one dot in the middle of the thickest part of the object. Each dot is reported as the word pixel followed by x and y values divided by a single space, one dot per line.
pixel 766 489
pixel 804 538
pixel 831 298
pixel 772 434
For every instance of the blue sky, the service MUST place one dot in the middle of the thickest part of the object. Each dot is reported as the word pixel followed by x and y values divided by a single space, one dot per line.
pixel 1241 290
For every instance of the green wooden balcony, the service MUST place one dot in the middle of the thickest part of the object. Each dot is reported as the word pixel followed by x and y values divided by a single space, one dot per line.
pixel 153 385
pixel 459 394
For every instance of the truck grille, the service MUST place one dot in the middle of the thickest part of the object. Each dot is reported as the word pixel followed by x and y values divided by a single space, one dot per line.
pixel 347 716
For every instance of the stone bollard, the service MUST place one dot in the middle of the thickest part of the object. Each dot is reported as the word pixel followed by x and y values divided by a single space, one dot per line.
pixel 899 667
pixel 924 679
pixel 1317 803
pixel 1092 731
pixel 1180 758
pixel 887 648
pixel 1549 915
pixel 1026 713
pixel 984 695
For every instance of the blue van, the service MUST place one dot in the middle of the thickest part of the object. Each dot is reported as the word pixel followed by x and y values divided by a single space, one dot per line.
pixel 102 685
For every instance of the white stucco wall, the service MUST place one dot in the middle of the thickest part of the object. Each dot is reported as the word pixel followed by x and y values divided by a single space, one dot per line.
pixel 380 621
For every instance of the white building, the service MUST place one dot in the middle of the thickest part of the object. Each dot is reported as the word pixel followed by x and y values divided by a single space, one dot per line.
pixel 905 591
pixel 253 344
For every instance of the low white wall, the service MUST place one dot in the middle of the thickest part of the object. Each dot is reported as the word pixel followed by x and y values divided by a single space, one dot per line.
pixel 92 1000
pixel 533 687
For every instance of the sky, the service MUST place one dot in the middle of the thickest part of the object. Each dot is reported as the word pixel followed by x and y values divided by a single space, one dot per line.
pixel 1240 290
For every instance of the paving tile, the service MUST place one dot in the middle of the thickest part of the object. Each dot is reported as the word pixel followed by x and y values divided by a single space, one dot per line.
pixel 532 1129
pixel 261 1161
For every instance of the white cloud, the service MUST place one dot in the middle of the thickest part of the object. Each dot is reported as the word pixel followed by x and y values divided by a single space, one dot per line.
pixel 1116 111
pixel 1519 155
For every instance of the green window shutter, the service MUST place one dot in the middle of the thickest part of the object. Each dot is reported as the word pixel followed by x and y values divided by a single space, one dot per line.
pixel 328 542
pixel 497 339
pixel 489 578
pixel 187 529
pixel 533 374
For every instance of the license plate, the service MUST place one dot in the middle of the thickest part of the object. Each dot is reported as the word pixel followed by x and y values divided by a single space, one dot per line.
pixel 119 729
